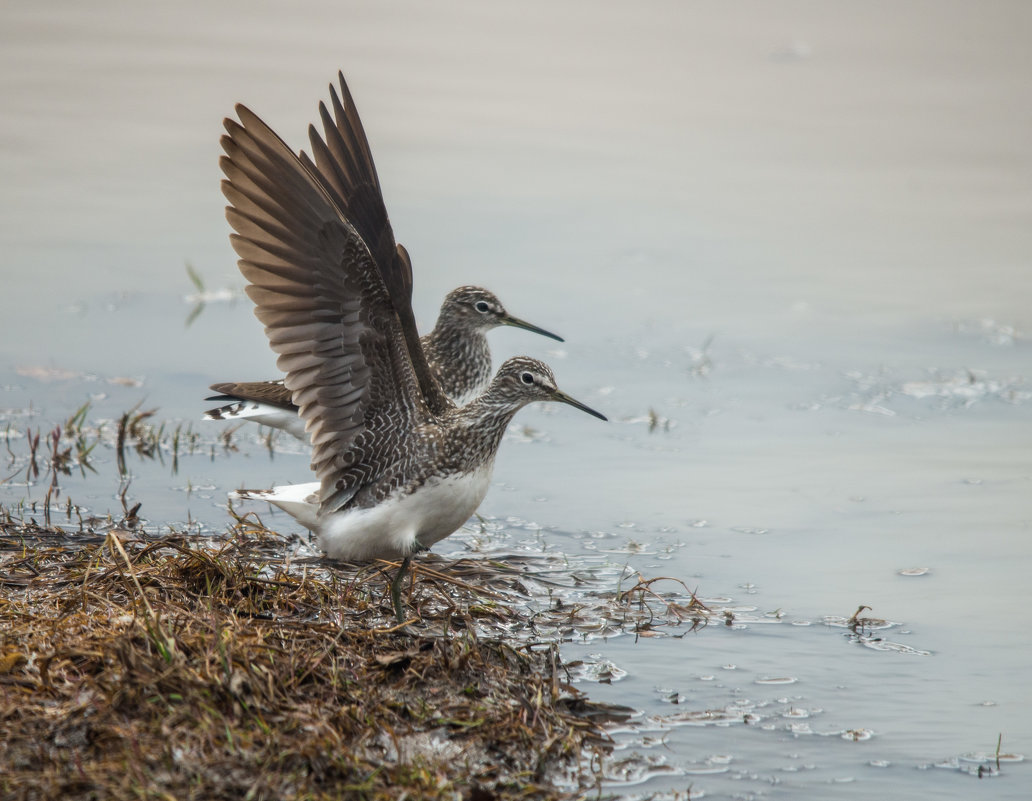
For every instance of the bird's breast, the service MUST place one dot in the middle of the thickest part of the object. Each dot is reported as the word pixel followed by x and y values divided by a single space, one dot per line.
pixel 406 520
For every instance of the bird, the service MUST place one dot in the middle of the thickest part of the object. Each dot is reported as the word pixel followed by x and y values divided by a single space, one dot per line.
pixel 456 349
pixel 399 466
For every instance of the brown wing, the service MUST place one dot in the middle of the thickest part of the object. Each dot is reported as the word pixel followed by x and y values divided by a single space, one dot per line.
pixel 274 393
pixel 343 161
pixel 325 308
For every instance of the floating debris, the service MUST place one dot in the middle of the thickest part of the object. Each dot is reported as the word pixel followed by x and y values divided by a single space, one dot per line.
pixel 993 332
pixel 203 296
pixel 49 374
pixel 961 388
pixel 861 630
pixel 701 360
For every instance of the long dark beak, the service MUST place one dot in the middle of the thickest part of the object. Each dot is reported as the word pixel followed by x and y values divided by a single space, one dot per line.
pixel 562 397
pixel 516 322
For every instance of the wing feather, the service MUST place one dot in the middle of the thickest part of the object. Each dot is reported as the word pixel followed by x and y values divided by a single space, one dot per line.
pixel 326 310
pixel 344 162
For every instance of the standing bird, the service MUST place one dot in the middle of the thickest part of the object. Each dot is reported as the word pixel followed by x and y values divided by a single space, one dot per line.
pixel 456 349
pixel 399 466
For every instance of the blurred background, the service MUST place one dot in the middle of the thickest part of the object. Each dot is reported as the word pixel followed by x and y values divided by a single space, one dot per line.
pixel 788 244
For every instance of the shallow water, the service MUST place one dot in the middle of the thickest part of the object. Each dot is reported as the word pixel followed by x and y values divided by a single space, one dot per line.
pixel 796 235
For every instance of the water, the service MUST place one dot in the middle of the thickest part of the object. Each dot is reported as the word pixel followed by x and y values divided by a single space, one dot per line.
pixel 797 234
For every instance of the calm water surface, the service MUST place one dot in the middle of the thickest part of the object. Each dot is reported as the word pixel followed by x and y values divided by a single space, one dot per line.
pixel 797 235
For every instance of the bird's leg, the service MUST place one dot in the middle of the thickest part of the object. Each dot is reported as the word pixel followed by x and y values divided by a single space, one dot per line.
pixel 399 577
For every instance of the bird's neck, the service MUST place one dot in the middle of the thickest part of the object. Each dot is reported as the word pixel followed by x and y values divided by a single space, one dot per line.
pixel 455 336
pixel 460 358
pixel 485 420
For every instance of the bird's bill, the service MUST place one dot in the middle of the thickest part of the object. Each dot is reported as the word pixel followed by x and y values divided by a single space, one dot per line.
pixel 562 397
pixel 516 322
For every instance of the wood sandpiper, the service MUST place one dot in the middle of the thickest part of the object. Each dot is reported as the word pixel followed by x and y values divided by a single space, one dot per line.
pixel 399 465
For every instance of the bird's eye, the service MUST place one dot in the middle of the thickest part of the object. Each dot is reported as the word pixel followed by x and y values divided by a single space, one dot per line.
pixel 526 378
pixel 482 307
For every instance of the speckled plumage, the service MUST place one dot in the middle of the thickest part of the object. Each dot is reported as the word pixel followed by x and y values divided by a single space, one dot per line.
pixel 456 450
pixel 457 348
pixel 399 466
pixel 457 352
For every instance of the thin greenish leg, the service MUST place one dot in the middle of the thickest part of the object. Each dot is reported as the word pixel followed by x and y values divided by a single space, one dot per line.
pixel 399 577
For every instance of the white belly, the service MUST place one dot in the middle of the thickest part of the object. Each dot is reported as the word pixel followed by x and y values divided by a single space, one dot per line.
pixel 394 527
pixel 390 529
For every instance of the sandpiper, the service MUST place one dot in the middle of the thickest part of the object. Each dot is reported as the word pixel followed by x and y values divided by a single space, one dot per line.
pixel 456 349
pixel 399 466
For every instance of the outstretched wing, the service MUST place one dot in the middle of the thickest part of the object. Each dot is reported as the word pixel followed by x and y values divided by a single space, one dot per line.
pixel 343 161
pixel 326 311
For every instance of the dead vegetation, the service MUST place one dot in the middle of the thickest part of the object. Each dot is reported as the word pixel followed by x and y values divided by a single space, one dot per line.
pixel 133 667
pixel 242 666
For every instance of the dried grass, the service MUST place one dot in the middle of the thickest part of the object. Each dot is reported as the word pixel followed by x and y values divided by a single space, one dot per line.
pixel 175 668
